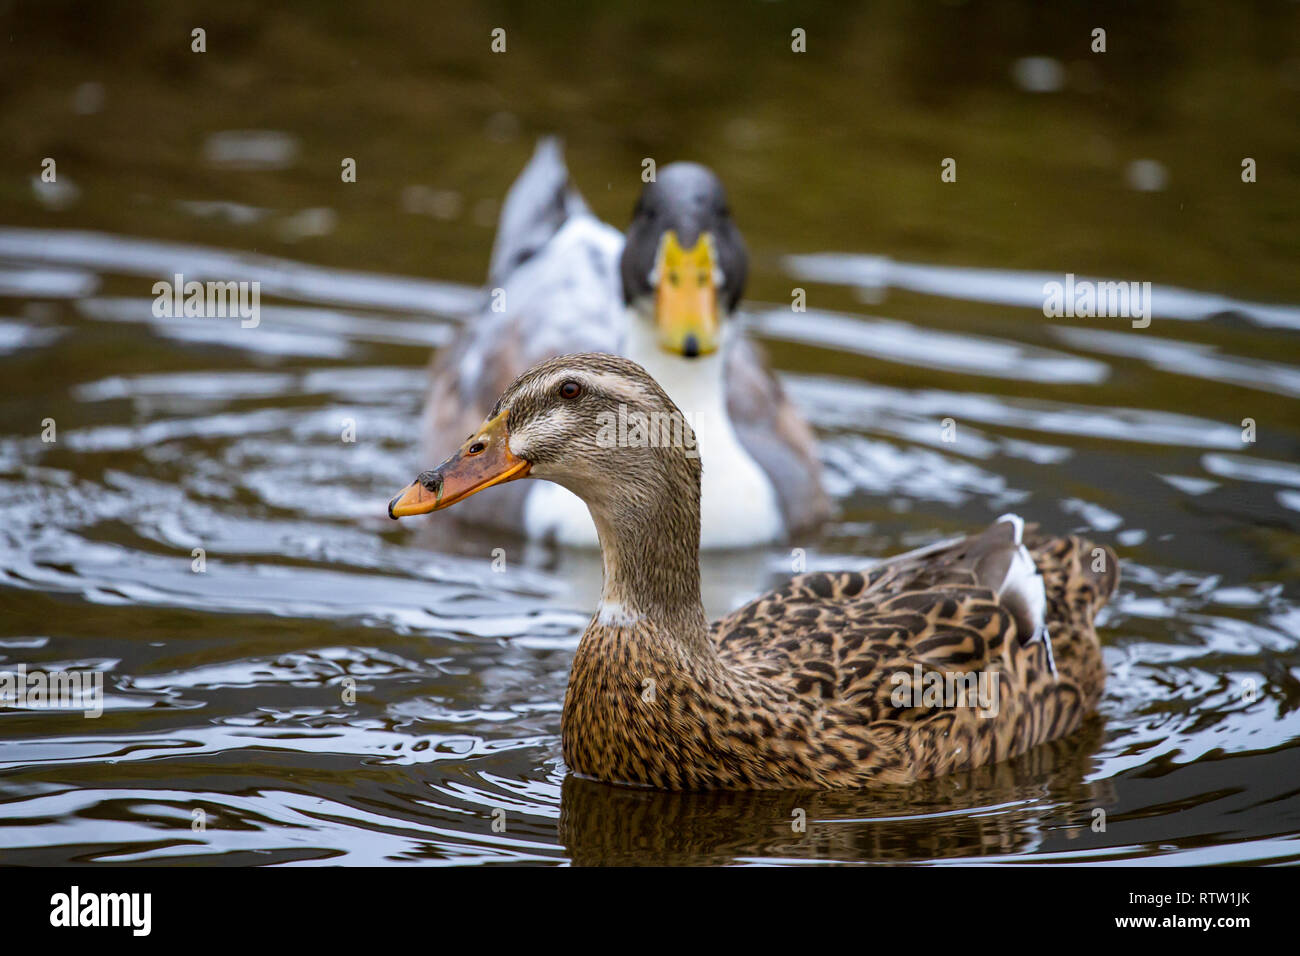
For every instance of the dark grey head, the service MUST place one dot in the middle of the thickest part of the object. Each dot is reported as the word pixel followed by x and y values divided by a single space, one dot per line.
pixel 684 261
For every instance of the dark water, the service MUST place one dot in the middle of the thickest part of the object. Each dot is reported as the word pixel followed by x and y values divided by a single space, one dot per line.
pixel 226 690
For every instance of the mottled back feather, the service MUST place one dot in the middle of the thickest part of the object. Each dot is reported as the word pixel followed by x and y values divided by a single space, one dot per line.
pixel 802 692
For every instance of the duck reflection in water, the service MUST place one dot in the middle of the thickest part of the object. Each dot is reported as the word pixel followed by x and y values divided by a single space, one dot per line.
pixel 996 810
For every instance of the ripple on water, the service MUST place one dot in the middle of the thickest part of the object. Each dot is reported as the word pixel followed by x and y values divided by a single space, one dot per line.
pixel 332 688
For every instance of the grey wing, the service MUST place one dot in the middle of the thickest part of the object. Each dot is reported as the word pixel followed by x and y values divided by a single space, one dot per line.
pixel 775 434
pixel 538 203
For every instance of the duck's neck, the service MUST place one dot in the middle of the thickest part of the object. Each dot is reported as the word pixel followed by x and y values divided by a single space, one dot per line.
pixel 652 575
pixel 650 545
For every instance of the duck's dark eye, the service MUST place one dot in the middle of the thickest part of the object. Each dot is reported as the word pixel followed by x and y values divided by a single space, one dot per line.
pixel 475 448
pixel 570 390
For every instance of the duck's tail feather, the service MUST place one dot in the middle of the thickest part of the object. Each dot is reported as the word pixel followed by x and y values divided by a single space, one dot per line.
pixel 1081 575
pixel 540 201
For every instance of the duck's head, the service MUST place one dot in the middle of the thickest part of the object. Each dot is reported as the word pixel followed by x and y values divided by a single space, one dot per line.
pixel 597 424
pixel 684 262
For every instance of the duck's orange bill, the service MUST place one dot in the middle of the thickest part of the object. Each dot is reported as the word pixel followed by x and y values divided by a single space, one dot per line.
pixel 483 461
pixel 686 302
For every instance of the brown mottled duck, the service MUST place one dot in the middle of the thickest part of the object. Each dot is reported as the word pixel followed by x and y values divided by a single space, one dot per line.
pixel 947 658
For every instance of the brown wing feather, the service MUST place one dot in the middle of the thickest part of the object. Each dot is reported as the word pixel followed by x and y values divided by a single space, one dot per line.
pixel 841 645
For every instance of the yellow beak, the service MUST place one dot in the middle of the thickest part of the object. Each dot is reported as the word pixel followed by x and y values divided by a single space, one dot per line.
pixel 483 461
pixel 686 301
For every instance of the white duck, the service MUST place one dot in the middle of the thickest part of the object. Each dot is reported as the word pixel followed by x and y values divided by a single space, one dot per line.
pixel 561 281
